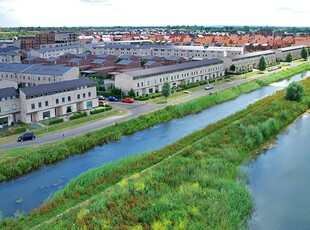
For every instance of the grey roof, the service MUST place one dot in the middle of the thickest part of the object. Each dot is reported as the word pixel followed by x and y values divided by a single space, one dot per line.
pixel 52 59
pixel 124 62
pixel 10 53
pixel 82 55
pixel 148 57
pixel 126 56
pixel 56 87
pixel 30 58
pixel 34 69
pixel 10 48
pixel 254 54
pixel 150 63
pixel 73 60
pixel 291 48
pixel 172 58
pixel 103 56
pixel 98 61
pixel 173 68
pixel 8 92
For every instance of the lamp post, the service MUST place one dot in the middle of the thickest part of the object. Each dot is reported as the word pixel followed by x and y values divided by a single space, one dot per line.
pixel 46 119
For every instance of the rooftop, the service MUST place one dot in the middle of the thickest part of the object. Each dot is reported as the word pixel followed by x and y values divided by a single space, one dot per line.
pixel 34 69
pixel 8 92
pixel 254 54
pixel 57 87
pixel 173 68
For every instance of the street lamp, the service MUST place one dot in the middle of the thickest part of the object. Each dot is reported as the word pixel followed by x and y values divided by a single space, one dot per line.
pixel 46 119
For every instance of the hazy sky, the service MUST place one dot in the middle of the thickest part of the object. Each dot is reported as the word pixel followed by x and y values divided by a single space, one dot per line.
pixel 153 13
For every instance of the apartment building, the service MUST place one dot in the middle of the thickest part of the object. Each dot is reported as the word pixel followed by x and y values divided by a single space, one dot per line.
pixel 191 52
pixel 29 75
pixel 151 80
pixel 56 51
pixel 9 105
pixel 282 53
pixel 249 60
pixel 9 57
pixel 57 99
pixel 66 37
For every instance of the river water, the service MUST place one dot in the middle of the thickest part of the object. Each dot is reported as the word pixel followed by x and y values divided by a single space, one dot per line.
pixel 279 181
pixel 30 191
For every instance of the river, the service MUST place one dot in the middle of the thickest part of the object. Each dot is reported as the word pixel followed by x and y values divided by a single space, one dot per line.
pixel 30 191
pixel 279 181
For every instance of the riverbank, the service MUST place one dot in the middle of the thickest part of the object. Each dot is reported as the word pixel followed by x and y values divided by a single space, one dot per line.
pixel 191 183
pixel 17 162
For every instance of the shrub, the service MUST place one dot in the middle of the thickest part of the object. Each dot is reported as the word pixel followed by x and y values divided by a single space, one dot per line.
pixel 78 115
pixel 20 130
pixel 108 107
pixel 55 121
pixel 294 92
pixel 284 115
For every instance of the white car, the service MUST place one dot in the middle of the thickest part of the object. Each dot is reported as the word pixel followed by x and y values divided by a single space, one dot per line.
pixel 209 87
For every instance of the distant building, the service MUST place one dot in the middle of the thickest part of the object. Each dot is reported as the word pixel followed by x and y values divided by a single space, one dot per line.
pixel 9 57
pixel 29 75
pixel 56 51
pixel 283 52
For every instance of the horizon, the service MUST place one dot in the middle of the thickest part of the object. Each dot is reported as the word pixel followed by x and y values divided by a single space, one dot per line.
pixel 108 13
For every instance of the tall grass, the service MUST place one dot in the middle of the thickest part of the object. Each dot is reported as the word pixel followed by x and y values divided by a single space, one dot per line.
pixel 13 164
pixel 194 186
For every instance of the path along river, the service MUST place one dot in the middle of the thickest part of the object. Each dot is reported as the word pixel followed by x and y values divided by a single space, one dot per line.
pixel 30 191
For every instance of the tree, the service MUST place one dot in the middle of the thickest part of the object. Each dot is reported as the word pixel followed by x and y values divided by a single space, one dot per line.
pixel 289 57
pixel 166 90
pixel 294 92
pixel 131 93
pixel 232 68
pixel 262 64
pixel 304 53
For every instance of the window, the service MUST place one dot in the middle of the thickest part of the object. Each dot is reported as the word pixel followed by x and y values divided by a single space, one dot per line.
pixel 57 101
pixel 138 85
pixel 46 103
pixel 69 98
pixel 89 94
pixel 63 100
pixel 7 108
pixel 40 105
pixel 33 106
pixel 46 114
pixel 84 95
pixel 89 104
pixel 78 96
pixel 69 109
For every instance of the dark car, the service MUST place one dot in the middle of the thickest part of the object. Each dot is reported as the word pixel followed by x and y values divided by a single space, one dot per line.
pixel 112 98
pixel 27 137
pixel 101 98
pixel 128 100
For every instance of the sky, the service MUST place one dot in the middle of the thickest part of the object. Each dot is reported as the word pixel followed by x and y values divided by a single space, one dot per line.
pixel 14 13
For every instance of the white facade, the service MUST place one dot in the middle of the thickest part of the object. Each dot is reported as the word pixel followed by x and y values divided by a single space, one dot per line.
pixel 151 80
pixel 77 95
pixel 249 60
pixel 10 57
pixel 56 51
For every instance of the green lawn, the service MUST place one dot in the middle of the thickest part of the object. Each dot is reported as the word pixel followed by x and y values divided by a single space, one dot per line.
pixel 67 125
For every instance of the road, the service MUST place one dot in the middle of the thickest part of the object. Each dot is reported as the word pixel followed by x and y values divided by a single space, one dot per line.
pixel 135 109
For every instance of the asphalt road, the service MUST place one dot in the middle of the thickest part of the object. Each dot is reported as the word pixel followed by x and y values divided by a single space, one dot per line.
pixel 135 109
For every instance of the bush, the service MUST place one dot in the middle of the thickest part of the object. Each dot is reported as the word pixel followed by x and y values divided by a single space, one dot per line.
pixel 20 130
pixel 55 121
pixel 284 115
pixel 107 108
pixel 78 115
pixel 294 92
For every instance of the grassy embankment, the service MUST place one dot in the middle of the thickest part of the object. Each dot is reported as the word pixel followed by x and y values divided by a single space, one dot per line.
pixel 16 162
pixel 191 184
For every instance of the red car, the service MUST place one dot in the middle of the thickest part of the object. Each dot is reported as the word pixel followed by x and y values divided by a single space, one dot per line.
pixel 128 100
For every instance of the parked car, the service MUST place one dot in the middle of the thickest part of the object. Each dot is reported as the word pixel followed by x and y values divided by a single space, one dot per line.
pixel 27 136
pixel 101 98
pixel 209 87
pixel 112 98
pixel 128 100
pixel 104 103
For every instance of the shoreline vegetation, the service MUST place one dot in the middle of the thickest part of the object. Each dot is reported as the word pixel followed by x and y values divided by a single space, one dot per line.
pixel 17 162
pixel 194 183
